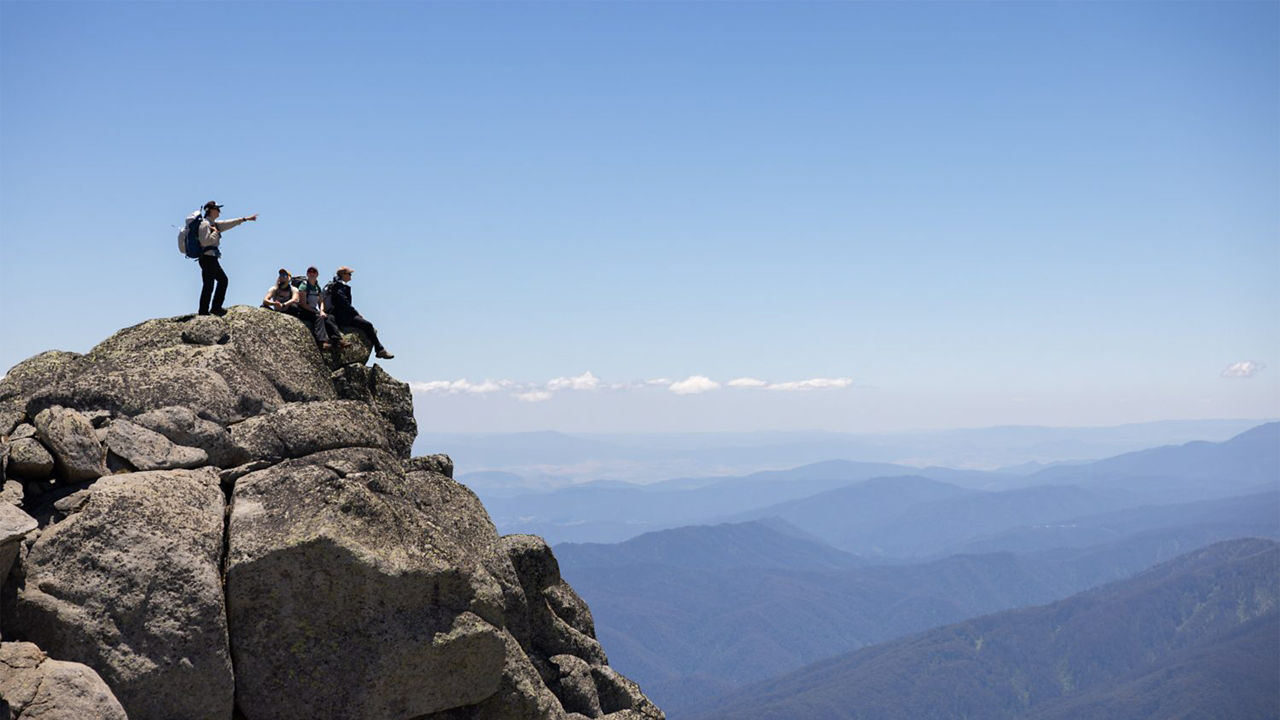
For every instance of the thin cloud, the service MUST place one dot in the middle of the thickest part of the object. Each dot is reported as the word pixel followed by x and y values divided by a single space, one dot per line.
pixel 1245 369
pixel 585 381
pixel 533 396
pixel 458 387
pixel 694 385
pixel 746 382
pixel 812 384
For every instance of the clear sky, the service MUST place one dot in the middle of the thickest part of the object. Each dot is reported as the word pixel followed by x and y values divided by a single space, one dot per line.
pixel 948 214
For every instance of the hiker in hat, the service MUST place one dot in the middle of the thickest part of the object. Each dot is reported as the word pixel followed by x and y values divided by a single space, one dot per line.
pixel 308 304
pixel 279 294
pixel 211 229
pixel 337 296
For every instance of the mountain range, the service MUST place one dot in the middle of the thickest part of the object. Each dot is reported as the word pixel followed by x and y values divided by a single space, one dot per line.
pixel 1194 637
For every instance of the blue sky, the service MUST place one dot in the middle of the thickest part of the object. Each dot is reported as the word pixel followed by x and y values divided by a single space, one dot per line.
pixel 954 214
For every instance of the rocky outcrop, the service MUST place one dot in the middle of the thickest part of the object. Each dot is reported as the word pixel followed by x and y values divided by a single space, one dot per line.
pixel 130 585
pixel 35 687
pixel 222 522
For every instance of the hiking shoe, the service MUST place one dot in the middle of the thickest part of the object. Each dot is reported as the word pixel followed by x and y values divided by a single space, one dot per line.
pixel 384 354
pixel 326 346
pixel 219 312
pixel 344 343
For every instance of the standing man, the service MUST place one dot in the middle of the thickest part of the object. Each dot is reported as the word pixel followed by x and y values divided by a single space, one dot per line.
pixel 337 301
pixel 211 230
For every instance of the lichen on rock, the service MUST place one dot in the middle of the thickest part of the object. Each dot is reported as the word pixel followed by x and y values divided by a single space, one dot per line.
pixel 220 520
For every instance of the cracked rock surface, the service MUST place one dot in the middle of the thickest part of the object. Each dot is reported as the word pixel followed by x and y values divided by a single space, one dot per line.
pixel 207 518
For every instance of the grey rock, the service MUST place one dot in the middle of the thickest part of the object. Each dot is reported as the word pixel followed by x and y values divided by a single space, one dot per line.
pixel 73 502
pixel 521 694
pixel 14 525
pixel 130 586
pixel 230 475
pixel 69 437
pixel 99 418
pixel 620 695
pixel 183 427
pixel 149 450
pixel 550 634
pixel 25 430
pixel 28 459
pixel 574 686
pixel 401 617
pixel 12 412
pixel 266 362
pixel 47 368
pixel 205 330
pixel 394 401
pixel 282 350
pixel 438 463
pixel 356 353
pixel 299 429
pixel 36 687
pixel 390 397
pixel 12 492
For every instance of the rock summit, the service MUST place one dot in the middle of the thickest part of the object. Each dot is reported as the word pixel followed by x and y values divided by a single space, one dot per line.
pixel 206 518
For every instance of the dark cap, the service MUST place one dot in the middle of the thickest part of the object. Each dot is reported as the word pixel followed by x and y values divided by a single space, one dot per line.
pixel 212 204
pixel 283 271
pixel 312 269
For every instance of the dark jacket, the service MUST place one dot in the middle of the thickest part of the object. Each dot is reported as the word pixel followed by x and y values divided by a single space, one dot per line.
pixel 337 298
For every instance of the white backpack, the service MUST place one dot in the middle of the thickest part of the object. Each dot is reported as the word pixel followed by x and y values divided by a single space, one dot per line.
pixel 190 228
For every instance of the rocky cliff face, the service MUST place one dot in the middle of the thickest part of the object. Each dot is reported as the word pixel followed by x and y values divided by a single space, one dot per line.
pixel 214 521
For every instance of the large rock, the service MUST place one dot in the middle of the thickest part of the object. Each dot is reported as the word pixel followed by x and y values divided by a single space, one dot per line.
pixel 149 450
pixel 14 525
pixel 70 439
pixel 183 427
pixel 559 621
pixel 299 429
pixel 36 687
pixel 355 590
pixel 390 397
pixel 225 369
pixel 129 585
pixel 36 372
pixel 281 347
pixel 29 460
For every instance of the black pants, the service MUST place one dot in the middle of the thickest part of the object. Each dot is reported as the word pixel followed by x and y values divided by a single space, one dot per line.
pixel 358 322
pixel 324 328
pixel 211 272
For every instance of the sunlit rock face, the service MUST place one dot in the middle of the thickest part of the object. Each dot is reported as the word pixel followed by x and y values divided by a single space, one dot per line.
pixel 212 518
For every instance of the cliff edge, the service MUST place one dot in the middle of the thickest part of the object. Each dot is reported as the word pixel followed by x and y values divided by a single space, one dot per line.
pixel 220 522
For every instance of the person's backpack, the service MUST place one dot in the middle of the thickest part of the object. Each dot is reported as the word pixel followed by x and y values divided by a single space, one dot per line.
pixel 189 236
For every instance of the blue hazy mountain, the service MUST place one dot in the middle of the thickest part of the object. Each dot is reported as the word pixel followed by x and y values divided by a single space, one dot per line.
pixel 1248 462
pixel 681 607
pixel 1194 637
pixel 613 511
pixel 767 544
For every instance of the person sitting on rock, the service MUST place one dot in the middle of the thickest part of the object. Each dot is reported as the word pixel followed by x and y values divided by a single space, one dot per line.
pixel 338 299
pixel 308 304
pixel 279 295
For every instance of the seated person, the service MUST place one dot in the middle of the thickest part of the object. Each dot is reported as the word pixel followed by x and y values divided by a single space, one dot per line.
pixel 308 304
pixel 280 294
pixel 338 300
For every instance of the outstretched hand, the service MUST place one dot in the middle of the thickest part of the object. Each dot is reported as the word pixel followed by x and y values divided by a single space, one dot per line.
pixel 251 218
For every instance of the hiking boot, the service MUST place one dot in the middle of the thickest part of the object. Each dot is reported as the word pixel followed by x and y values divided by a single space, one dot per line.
pixel 219 312
pixel 326 346
pixel 384 354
